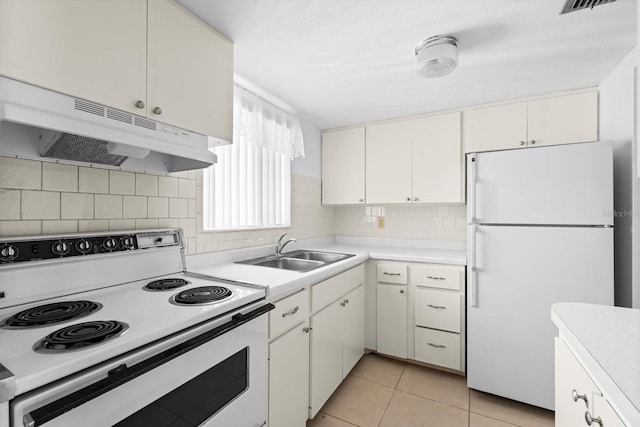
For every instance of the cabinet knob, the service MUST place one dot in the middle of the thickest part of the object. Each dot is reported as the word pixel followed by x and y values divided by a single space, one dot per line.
pixel 157 111
pixel 140 104
pixel 415 199
pixel 522 142
pixel 343 303
pixel 575 396
pixel 361 200
pixel 590 420
pixel 306 329
pixel 533 142
pixel 408 199
pixel 402 291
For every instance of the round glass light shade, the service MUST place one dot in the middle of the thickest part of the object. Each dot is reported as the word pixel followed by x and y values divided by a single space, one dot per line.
pixel 436 56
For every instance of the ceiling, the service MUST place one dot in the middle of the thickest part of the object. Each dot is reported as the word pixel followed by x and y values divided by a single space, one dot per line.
pixel 343 62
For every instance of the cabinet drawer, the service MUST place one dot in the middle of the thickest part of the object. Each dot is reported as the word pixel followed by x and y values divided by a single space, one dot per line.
pixel 438 348
pixel 392 273
pixel 288 312
pixel 437 276
pixel 438 309
pixel 327 291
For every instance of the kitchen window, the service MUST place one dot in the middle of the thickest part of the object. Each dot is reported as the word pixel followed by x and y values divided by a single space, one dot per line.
pixel 250 185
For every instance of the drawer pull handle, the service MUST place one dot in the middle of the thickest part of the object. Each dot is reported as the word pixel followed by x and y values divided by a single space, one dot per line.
pixel 439 307
pixel 344 302
pixel 436 345
pixel 435 278
pixel 590 420
pixel 291 312
pixel 575 396
pixel 390 274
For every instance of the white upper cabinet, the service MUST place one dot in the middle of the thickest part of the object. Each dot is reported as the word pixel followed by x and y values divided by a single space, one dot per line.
pixel 564 119
pixel 415 161
pixel 437 160
pixel 190 72
pixel 343 167
pixel 495 128
pixel 388 163
pixel 90 49
pixel 150 58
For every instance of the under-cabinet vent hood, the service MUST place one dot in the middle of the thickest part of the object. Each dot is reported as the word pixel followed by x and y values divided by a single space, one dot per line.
pixel 37 123
pixel 575 5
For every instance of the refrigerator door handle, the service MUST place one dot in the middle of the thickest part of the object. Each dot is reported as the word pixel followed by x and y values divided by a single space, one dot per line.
pixel 471 203
pixel 472 267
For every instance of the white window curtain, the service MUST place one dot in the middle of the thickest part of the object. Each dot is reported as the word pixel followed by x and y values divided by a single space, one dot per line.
pixel 250 185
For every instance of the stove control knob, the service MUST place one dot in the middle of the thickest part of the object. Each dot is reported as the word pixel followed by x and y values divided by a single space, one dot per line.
pixel 127 242
pixel 84 246
pixel 8 252
pixel 110 244
pixel 61 248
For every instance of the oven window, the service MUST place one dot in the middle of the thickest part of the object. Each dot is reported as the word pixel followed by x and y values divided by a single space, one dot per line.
pixel 198 399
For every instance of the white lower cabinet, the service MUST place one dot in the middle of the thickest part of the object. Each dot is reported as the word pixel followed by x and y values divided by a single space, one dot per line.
pixel 392 319
pixel 578 398
pixel 337 335
pixel 289 378
pixel 421 313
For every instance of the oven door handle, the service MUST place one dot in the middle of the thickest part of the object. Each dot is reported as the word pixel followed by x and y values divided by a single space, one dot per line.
pixel 124 373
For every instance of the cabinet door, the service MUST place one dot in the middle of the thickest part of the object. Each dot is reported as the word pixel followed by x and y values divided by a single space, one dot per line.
pixel 563 119
pixel 495 128
pixel 289 378
pixel 606 413
pixel 326 355
pixel 90 49
pixel 388 163
pixel 392 320
pixel 190 72
pixel 437 159
pixel 353 329
pixel 571 376
pixel 343 167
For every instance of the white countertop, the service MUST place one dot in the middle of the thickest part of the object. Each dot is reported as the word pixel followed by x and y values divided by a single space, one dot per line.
pixel 283 282
pixel 607 340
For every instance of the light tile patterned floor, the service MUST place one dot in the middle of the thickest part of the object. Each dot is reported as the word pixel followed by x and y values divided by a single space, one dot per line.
pixel 388 393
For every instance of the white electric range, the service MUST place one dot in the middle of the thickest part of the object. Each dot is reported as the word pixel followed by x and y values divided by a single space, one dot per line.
pixel 110 329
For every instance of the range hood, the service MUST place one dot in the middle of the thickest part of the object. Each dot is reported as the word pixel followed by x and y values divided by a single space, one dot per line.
pixel 37 123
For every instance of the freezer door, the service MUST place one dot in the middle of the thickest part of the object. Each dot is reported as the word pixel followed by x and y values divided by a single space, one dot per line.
pixel 518 273
pixel 566 184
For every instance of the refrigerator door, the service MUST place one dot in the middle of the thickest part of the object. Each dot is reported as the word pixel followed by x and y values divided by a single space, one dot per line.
pixel 516 275
pixel 565 184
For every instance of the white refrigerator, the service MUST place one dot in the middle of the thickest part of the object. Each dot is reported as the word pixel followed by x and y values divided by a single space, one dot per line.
pixel 540 231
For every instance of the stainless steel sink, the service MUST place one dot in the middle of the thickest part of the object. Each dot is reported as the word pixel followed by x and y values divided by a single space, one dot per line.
pixel 326 257
pixel 300 260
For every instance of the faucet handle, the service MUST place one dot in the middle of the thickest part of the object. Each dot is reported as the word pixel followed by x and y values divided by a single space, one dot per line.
pixel 281 237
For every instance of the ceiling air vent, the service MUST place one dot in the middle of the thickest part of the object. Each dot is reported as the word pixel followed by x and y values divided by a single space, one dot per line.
pixel 574 5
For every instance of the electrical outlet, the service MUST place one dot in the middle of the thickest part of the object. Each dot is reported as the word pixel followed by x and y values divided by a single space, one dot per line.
pixel 380 222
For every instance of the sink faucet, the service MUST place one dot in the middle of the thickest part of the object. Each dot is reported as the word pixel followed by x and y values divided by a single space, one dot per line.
pixel 280 246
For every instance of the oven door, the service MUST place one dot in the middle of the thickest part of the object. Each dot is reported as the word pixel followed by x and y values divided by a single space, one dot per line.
pixel 211 378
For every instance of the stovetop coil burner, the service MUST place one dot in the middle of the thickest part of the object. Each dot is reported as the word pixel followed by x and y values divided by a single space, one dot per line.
pixel 202 295
pixel 165 284
pixel 80 336
pixel 49 314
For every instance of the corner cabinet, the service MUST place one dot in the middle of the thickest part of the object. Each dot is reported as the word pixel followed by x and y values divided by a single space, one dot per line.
pixel 343 167
pixel 138 65
pixel 564 119
pixel 421 313
pixel 337 333
pixel 415 161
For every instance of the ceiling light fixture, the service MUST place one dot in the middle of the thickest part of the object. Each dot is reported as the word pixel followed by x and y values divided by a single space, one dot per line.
pixel 436 56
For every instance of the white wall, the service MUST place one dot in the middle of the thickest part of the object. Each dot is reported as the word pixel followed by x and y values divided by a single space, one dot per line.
pixel 617 119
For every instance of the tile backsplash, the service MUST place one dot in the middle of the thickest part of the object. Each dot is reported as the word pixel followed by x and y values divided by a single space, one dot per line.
pixel 438 222
pixel 39 197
